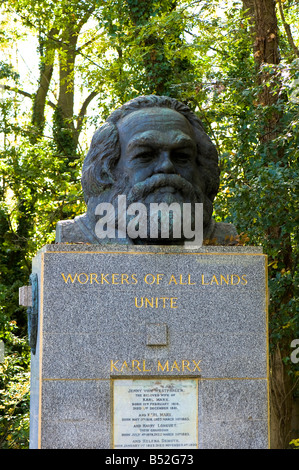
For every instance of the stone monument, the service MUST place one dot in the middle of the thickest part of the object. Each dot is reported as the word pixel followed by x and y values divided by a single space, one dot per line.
pixel 142 341
pixel 152 149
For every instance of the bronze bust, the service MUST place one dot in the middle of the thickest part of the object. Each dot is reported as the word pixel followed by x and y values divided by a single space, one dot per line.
pixel 152 149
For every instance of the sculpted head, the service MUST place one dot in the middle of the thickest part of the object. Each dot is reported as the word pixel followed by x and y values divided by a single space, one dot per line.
pixel 152 149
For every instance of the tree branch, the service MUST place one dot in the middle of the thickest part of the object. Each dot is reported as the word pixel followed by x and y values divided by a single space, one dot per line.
pixel 288 30
pixel 87 43
pixel 24 93
pixel 83 110
pixel 210 47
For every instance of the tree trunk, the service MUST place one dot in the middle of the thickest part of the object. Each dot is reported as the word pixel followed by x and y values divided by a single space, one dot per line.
pixel 281 403
pixel 66 78
pixel 64 128
pixel 264 30
pixel 156 65
pixel 46 71
pixel 66 133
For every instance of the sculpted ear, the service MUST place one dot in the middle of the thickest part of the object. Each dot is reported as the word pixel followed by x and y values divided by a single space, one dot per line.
pixel 103 154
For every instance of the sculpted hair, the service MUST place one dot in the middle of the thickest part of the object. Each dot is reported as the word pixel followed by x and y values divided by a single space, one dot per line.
pixel 104 151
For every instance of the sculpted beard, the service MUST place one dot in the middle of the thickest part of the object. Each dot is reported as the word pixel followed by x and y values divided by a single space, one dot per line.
pixel 166 188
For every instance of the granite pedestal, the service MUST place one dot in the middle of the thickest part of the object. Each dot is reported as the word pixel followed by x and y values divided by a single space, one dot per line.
pixel 150 347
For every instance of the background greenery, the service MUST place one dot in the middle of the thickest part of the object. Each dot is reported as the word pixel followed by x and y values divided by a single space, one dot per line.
pixel 235 63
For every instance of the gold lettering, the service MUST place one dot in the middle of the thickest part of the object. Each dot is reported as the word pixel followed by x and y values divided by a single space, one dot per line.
pixel 94 277
pixel 103 278
pixel 125 365
pixel 163 367
pixel 137 365
pixel 69 277
pixel 136 302
pixel 166 366
pixel 147 301
pixel 214 279
pixel 175 366
pixel 185 364
pixel 113 366
pixel 116 279
pixel 155 302
pixel 146 276
pixel 232 279
pixel 181 282
pixel 226 280
pixel 124 277
pixel 86 278
pixel 196 366
pixel 172 279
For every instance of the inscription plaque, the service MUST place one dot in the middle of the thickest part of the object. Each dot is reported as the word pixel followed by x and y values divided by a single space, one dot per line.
pixel 155 413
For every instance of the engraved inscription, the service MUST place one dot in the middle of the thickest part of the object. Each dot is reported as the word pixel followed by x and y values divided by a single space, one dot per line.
pixel 155 413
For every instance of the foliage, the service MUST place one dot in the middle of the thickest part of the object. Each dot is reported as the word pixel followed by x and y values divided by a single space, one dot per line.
pixel 14 391
pixel 295 443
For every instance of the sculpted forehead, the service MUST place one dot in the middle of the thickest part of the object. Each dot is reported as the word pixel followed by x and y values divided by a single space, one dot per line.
pixel 156 123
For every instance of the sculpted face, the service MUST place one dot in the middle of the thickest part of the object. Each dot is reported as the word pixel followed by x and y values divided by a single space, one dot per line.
pixel 153 149
pixel 156 141
pixel 157 164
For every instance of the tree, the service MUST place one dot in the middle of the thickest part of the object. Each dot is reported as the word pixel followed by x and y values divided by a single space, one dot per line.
pixel 273 99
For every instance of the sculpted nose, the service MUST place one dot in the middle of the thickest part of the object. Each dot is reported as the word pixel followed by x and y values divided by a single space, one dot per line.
pixel 164 164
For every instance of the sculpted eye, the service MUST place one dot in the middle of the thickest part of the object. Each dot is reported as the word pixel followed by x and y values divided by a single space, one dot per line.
pixel 145 156
pixel 181 157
